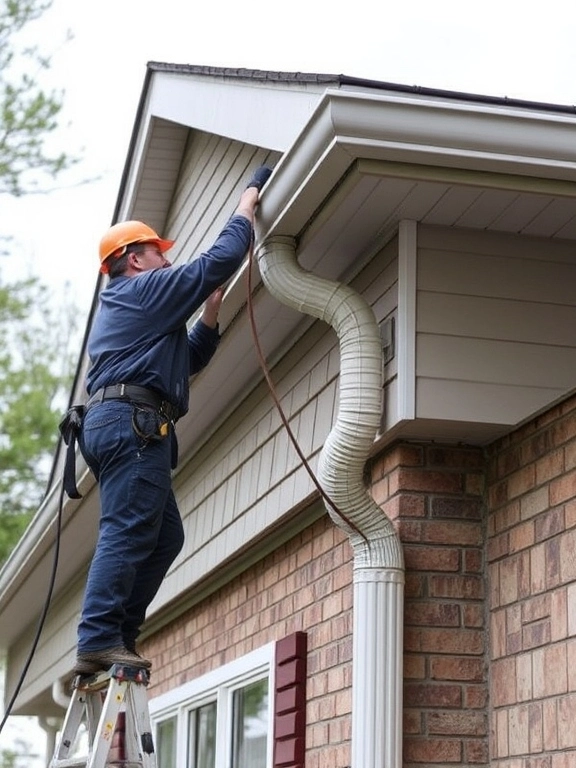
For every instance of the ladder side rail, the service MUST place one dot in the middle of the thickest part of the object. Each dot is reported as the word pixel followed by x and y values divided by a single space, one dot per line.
pixel 94 704
pixel 107 724
pixel 138 734
pixel 70 727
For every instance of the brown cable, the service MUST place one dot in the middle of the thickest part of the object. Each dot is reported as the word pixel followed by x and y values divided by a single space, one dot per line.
pixel 272 388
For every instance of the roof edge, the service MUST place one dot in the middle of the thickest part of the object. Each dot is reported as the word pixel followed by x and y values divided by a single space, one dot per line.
pixel 356 82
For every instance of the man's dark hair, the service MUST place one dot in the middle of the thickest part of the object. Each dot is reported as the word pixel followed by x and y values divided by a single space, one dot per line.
pixel 117 267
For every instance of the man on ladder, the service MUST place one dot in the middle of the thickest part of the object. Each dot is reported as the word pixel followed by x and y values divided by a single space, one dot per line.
pixel 141 358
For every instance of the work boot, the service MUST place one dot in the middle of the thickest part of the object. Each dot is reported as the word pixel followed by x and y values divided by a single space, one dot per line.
pixel 95 661
pixel 131 648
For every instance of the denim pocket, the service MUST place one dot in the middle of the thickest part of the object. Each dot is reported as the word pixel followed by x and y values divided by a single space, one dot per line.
pixel 148 494
pixel 102 421
pixel 106 434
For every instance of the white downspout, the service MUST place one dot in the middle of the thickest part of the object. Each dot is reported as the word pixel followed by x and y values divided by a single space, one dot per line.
pixel 378 557
pixel 53 724
pixel 59 694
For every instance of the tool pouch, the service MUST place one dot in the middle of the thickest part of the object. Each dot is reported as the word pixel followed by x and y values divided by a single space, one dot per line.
pixel 150 425
pixel 70 428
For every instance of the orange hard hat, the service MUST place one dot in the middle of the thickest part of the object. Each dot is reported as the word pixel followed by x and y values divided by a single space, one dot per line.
pixel 123 234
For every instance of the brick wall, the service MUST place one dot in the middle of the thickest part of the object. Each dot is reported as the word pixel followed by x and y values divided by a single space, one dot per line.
pixel 305 585
pixel 435 496
pixel 532 568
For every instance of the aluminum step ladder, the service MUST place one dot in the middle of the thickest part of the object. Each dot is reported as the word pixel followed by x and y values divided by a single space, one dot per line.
pixel 105 703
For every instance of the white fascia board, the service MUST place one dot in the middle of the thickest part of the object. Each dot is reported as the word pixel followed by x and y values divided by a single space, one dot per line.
pixel 269 116
pixel 350 126
pixel 141 139
pixel 246 111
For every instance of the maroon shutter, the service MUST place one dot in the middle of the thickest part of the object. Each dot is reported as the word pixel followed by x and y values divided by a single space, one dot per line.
pixel 290 701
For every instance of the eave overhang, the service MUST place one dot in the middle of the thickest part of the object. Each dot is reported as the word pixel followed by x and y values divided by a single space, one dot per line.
pixel 494 147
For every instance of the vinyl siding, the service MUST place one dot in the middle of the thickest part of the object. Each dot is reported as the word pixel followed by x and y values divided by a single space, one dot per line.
pixel 55 653
pixel 214 172
pixel 494 327
pixel 248 476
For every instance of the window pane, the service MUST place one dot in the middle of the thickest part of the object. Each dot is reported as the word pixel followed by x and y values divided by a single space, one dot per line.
pixel 166 743
pixel 203 736
pixel 250 732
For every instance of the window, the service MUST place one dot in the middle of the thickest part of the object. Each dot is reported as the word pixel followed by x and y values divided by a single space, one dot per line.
pixel 250 725
pixel 221 720
pixel 202 733
pixel 166 743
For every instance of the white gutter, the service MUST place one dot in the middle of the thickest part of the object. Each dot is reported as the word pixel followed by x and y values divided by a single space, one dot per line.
pixel 378 558
pixel 442 133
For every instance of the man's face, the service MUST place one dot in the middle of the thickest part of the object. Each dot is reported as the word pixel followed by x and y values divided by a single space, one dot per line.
pixel 151 257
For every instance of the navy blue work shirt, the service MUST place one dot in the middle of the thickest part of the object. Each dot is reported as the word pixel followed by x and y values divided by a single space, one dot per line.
pixel 139 334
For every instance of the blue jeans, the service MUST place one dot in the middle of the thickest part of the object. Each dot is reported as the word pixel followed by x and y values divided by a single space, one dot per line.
pixel 140 532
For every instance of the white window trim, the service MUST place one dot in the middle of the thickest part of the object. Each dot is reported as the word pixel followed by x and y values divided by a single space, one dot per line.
pixel 219 684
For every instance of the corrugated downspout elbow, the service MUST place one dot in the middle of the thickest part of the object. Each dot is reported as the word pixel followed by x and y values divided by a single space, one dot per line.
pixel 342 460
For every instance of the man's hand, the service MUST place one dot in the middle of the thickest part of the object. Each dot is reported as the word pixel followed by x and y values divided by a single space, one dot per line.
pixel 248 203
pixel 259 177
pixel 212 307
pixel 249 198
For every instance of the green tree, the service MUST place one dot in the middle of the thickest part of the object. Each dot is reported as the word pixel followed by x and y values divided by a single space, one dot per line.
pixel 28 114
pixel 8 758
pixel 34 378
pixel 33 374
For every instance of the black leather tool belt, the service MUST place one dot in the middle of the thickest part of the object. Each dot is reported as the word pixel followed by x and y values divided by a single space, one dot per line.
pixel 133 393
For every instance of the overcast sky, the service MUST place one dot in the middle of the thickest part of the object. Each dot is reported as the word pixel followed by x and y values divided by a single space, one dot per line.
pixel 499 48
